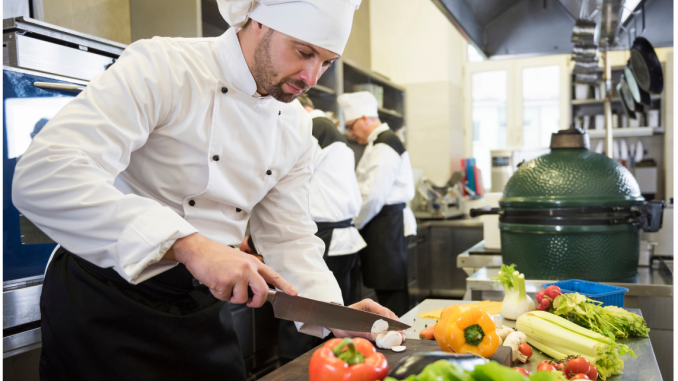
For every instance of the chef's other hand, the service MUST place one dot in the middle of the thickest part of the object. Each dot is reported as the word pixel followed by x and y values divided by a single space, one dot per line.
pixel 245 247
pixel 227 271
pixel 368 305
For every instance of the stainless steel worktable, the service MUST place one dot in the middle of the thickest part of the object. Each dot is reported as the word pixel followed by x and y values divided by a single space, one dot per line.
pixel 644 367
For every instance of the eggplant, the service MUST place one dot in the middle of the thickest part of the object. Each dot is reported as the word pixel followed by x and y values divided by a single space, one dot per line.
pixel 415 364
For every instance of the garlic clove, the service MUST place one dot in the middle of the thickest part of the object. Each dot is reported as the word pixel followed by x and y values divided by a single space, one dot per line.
pixel 389 339
pixel 380 326
pixel 398 348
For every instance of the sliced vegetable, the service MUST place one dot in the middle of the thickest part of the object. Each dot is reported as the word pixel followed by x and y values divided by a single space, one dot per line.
pixel 559 338
pixel 380 326
pixel 389 339
pixel 590 314
pixel 347 359
pixel 463 329
pixel 398 348
pixel 516 302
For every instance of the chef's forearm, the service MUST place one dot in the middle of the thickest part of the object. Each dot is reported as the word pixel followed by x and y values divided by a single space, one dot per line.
pixel 180 251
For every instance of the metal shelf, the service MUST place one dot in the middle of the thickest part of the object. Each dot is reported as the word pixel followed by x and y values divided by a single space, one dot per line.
pixel 391 112
pixel 627 132
pixel 577 102
pixel 324 89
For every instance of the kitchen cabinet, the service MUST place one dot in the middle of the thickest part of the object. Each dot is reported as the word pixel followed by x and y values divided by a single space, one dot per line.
pixel 441 242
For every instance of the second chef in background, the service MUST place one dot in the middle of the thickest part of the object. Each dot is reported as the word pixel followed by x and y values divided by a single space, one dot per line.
pixel 335 201
pixel 385 180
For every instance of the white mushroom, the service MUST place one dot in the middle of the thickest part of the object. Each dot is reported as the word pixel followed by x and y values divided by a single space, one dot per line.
pixel 389 339
pixel 514 340
pixel 380 326
pixel 504 331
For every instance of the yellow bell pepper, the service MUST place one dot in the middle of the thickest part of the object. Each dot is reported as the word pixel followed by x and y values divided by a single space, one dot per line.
pixel 464 329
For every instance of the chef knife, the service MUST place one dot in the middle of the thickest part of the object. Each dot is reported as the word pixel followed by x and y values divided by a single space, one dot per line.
pixel 328 315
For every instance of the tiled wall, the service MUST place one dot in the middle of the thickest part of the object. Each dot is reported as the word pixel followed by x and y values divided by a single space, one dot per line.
pixel 109 19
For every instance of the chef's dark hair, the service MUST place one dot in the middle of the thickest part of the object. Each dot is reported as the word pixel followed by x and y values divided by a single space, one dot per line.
pixel 305 101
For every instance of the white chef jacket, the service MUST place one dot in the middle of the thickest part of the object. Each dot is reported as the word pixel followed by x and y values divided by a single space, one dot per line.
pixel 171 140
pixel 384 178
pixel 334 194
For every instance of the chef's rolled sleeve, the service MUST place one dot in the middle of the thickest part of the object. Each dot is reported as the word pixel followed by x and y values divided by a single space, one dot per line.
pixel 64 181
pixel 284 233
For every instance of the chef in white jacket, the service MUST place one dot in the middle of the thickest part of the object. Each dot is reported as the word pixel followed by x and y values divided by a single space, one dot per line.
pixel 335 201
pixel 153 171
pixel 386 184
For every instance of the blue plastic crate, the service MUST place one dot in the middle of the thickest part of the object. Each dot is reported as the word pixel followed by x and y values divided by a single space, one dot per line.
pixel 609 295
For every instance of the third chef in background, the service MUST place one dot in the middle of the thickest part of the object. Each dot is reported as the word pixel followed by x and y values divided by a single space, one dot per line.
pixel 385 180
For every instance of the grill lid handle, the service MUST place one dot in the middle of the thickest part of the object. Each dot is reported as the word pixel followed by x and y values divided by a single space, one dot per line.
pixel 651 215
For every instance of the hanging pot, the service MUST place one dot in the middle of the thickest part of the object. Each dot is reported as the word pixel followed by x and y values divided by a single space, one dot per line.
pixel 646 67
pixel 639 95
pixel 628 104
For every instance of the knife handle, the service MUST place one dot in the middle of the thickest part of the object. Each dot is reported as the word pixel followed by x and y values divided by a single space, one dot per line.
pixel 270 297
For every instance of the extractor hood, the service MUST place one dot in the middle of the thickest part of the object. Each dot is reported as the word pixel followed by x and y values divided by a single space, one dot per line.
pixel 510 28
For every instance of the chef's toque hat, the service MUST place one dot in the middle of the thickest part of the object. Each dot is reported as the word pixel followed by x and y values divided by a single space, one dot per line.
pixel 323 23
pixel 355 105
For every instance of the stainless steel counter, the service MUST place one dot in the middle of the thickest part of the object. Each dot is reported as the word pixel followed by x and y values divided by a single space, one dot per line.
pixel 644 367
pixel 648 282
pixel 651 291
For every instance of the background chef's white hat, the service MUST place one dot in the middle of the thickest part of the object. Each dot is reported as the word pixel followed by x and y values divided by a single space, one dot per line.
pixel 355 105
pixel 323 23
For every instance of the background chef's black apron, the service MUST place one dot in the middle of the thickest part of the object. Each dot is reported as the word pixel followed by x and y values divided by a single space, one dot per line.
pixel 384 260
pixel 97 326
pixel 292 343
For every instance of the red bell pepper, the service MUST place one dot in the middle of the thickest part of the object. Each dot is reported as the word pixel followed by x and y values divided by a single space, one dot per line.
pixel 347 360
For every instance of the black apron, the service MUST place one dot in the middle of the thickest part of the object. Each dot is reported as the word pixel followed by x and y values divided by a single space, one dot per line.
pixel 97 326
pixel 292 343
pixel 384 260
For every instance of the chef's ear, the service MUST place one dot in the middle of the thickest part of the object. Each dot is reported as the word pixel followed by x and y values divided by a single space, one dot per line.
pixel 258 28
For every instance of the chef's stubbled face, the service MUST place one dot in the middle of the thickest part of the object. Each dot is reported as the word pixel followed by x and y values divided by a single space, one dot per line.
pixel 286 67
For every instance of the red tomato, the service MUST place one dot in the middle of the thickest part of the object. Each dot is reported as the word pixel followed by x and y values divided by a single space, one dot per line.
pixel 525 349
pixel 545 366
pixel 580 376
pixel 593 373
pixel 576 366
pixel 522 371
pixel 560 366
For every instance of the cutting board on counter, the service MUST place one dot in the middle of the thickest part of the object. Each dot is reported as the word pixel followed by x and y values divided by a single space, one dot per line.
pixel 298 369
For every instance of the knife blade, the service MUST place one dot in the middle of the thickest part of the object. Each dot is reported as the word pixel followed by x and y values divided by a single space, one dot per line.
pixel 328 315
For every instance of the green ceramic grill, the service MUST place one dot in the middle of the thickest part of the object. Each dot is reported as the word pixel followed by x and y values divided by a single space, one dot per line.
pixel 574 214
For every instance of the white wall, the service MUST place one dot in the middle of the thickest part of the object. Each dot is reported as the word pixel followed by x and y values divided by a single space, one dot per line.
pixel 414 45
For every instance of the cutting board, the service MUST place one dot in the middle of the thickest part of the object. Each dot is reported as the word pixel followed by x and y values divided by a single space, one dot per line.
pixel 298 369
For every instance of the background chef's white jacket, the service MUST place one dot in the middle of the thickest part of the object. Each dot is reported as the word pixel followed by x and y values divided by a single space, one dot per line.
pixel 334 194
pixel 131 164
pixel 384 178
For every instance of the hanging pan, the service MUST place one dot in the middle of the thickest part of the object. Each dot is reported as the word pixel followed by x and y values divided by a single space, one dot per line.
pixel 646 67
pixel 639 95
pixel 628 104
